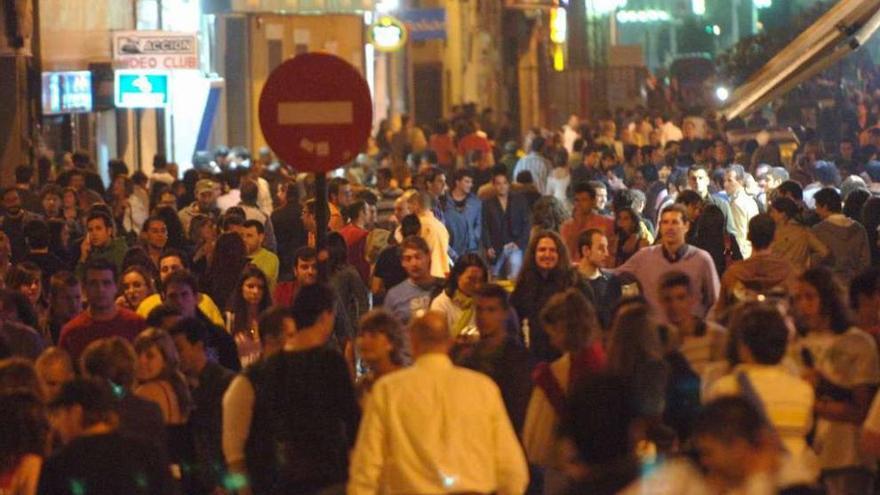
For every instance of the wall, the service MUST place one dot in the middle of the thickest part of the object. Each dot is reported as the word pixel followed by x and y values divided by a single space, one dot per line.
pixel 341 35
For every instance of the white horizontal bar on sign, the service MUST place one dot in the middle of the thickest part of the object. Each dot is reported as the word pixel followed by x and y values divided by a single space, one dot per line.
pixel 315 113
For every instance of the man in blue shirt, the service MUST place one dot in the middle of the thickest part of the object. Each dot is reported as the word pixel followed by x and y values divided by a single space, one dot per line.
pixel 412 297
pixel 461 214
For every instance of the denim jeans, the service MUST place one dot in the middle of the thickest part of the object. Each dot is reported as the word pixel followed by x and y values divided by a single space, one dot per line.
pixel 508 262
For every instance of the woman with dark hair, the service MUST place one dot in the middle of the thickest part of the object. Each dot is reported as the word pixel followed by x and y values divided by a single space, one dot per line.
pixel 230 258
pixel 135 285
pixel 137 256
pixel 548 213
pixel 60 233
pixel 346 281
pixel 468 275
pixel 250 298
pixel 26 278
pixel 546 271
pixel 176 236
pixel 383 347
pixel 635 351
pixel 842 363
pixel 855 200
pixel 158 375
pixel 24 434
pixel 630 237
pixel 573 330
pixel 203 238
pixel 870 219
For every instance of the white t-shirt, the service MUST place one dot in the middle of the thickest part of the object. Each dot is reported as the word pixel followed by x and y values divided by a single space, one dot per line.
pixel 846 360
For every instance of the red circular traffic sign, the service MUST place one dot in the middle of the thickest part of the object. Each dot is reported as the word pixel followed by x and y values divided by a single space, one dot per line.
pixel 316 112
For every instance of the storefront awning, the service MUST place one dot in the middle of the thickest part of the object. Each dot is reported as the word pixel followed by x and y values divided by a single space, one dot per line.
pixel 840 31
pixel 286 6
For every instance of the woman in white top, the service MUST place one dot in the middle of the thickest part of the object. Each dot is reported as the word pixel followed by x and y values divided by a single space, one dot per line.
pixel 842 363
pixel 457 301
pixel 559 180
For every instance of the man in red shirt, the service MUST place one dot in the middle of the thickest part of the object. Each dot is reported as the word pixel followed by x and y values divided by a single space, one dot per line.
pixel 476 140
pixel 103 318
pixel 361 216
pixel 585 217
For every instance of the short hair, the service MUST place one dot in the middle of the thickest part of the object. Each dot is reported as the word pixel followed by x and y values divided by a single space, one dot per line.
pixel 497 170
pixel 866 283
pixel 597 185
pixel 381 321
pixel 94 396
pixel 410 225
pixel 96 213
pixel 271 322
pixel 254 224
pixel 181 277
pixel 23 174
pixel 730 418
pixel 335 184
pixel 158 314
pixel 305 253
pixel 231 220
pixel 762 228
pixel 432 173
pixel 584 187
pixel 151 219
pixel 461 174
pixel 778 174
pixel 100 265
pixel 786 206
pixel 525 177
pixel 310 303
pixel 354 209
pixel 792 188
pixel 829 198
pixel 762 329
pixel 676 208
pixel 738 171
pixel 384 173
pixel 112 359
pixel 585 238
pixel 537 143
pixel 193 329
pixel 415 242
pixel 675 278
pixel 61 280
pixel 174 253
pixel 50 189
pixel 494 291
pixel 827 173
pixel 688 198
pixel 578 316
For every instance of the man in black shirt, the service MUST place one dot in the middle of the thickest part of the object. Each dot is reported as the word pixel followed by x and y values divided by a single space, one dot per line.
pixel 305 397
pixel 96 459
pixel 208 382
pixel 498 353
pixel 593 247
pixel 13 220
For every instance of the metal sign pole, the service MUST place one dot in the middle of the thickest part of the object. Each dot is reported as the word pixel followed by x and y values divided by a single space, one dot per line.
pixel 322 217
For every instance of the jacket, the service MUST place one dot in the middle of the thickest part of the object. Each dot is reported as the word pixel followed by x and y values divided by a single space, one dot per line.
pixel 500 227
pixel 848 242
pixel 464 224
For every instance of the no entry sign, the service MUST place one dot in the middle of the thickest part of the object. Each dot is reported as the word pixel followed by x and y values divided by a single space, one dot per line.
pixel 316 112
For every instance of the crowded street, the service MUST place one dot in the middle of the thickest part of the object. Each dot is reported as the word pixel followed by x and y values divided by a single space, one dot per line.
pixel 440 247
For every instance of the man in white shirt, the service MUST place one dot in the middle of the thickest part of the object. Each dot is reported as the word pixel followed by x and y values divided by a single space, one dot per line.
pixel 436 428
pixel 742 207
pixel 433 232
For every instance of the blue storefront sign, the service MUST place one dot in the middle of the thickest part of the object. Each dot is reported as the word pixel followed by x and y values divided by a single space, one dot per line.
pixel 424 24
pixel 141 89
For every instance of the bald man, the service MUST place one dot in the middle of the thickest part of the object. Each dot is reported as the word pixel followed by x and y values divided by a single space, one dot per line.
pixel 453 417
